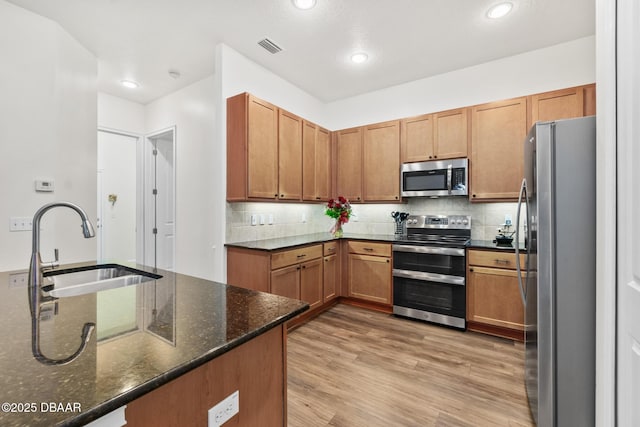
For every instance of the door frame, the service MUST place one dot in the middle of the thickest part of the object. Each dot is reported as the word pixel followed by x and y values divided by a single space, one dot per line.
pixel 146 161
pixel 139 190
pixel 606 211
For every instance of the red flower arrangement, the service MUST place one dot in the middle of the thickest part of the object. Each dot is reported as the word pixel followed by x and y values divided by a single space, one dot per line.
pixel 340 210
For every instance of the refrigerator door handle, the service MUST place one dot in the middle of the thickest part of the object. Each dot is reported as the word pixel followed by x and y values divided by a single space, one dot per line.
pixel 523 191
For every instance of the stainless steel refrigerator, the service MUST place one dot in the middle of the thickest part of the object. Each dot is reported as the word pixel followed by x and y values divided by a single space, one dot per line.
pixel 557 281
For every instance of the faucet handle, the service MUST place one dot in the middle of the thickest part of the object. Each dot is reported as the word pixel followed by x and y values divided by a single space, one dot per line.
pixel 52 264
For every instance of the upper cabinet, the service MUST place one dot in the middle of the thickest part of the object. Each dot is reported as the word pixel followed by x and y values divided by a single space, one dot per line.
pixel 381 166
pixel 252 148
pixel 451 133
pixel 349 164
pixel 563 104
pixel 442 135
pixel 316 162
pixel 289 156
pixel 497 156
pixel 416 144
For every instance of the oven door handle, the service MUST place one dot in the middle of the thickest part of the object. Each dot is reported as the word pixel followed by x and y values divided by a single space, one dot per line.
pixel 428 250
pixel 449 168
pixel 431 277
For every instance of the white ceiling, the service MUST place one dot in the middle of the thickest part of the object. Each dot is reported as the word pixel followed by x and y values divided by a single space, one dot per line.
pixel 405 39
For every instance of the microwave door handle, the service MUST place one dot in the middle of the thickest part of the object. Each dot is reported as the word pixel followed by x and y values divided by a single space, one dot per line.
pixel 449 178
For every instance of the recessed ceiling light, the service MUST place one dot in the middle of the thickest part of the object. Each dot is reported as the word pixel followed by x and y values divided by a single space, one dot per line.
pixel 129 84
pixel 304 4
pixel 359 57
pixel 499 10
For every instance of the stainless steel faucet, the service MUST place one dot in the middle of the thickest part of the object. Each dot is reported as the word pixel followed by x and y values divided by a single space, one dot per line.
pixel 36 269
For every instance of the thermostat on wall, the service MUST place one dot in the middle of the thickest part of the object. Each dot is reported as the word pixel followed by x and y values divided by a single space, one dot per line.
pixel 45 185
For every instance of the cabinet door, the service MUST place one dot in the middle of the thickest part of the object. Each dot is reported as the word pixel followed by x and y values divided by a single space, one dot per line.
pixel 559 104
pixel 349 164
pixel 416 144
pixel 370 278
pixel 262 149
pixel 289 156
pixel 498 130
pixel 330 277
pixel 311 282
pixel 309 142
pixel 381 169
pixel 316 163
pixel 493 298
pixel 286 282
pixel 323 165
pixel 451 134
pixel 590 100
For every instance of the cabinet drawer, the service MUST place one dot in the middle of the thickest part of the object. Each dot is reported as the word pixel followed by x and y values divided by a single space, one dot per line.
pixel 369 248
pixel 495 259
pixel 294 256
pixel 330 248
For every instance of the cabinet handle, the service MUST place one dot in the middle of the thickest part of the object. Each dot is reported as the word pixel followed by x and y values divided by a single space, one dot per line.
pixel 298 268
pixel 388 261
pixel 358 198
pixel 275 195
pixel 331 249
pixel 368 249
pixel 431 157
pixel 396 197
pixel 318 198
pixel 435 157
pixel 502 261
pixel 301 256
pixel 326 260
pixel 304 266
pixel 471 270
pixel 282 195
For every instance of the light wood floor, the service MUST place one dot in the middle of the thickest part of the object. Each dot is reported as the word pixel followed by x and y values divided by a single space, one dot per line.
pixel 351 367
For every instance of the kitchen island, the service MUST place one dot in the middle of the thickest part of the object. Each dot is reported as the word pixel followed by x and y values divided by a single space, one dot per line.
pixel 168 349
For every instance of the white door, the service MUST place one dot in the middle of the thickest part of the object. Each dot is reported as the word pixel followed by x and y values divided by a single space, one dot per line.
pixel 116 197
pixel 160 200
pixel 628 145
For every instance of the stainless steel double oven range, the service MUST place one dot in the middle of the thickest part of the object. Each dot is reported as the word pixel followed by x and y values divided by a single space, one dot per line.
pixel 429 269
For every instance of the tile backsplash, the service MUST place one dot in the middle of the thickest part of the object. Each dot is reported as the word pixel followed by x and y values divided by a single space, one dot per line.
pixel 295 218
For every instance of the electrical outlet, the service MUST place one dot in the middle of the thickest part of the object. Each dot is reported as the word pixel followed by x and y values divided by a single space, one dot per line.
pixel 224 410
pixel 261 219
pixel 304 217
pixel 270 219
pixel 254 219
pixel 507 219
pixel 20 223
pixel 18 280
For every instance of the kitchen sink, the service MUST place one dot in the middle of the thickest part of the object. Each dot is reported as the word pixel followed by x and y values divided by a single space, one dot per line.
pixel 95 278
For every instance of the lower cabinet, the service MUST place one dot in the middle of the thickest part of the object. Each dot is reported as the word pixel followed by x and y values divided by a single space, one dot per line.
pixel 369 275
pixel 331 271
pixel 494 304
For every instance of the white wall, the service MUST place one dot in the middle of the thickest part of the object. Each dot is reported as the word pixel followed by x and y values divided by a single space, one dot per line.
pixel 192 111
pixel 564 65
pixel 120 114
pixel 47 130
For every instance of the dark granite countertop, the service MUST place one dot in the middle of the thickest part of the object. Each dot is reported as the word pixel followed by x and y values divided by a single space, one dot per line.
pixel 306 239
pixel 489 244
pixel 146 335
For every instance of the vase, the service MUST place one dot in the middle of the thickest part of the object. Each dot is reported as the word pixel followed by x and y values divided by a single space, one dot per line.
pixel 336 230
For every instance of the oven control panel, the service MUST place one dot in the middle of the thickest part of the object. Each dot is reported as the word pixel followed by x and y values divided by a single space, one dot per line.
pixel 462 222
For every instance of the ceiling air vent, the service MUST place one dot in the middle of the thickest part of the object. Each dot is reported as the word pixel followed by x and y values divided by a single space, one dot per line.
pixel 269 45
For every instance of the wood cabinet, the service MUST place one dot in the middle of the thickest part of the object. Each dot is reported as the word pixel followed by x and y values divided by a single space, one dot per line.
pixel 563 104
pixel 381 166
pixel 416 143
pixel 369 275
pixel 443 135
pixel 451 133
pixel 261 382
pixel 497 155
pixel 286 282
pixel 252 148
pixel 311 282
pixel 316 162
pixel 289 156
pixel 331 271
pixel 494 304
pixel 349 164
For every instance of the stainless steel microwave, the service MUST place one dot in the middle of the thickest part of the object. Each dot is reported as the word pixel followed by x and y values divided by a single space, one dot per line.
pixel 435 178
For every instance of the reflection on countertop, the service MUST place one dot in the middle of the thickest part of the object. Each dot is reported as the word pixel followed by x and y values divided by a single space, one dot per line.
pixel 146 335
